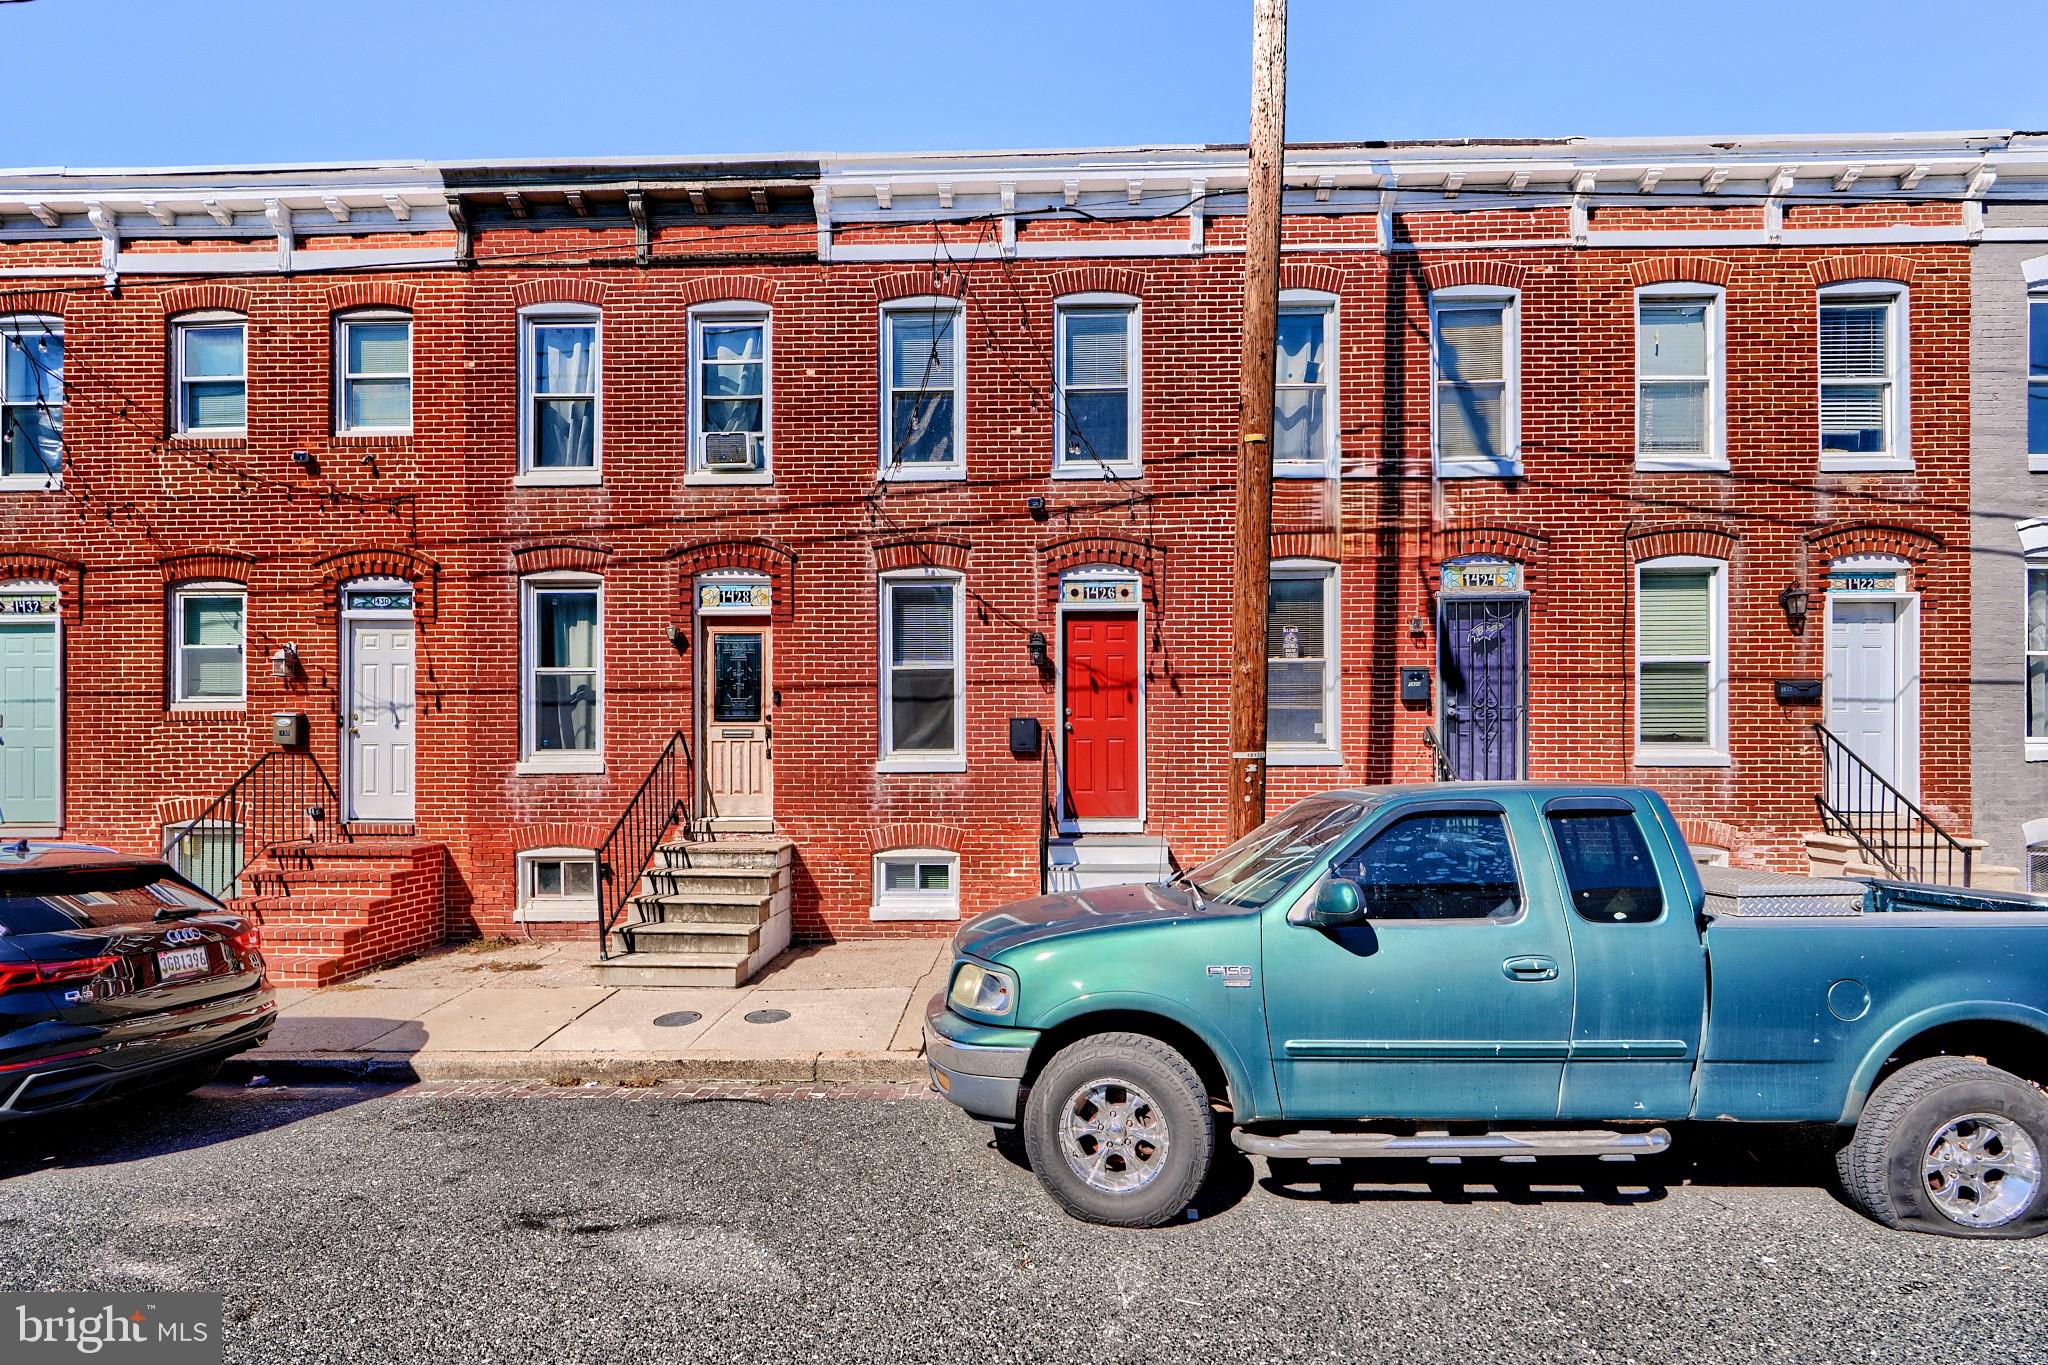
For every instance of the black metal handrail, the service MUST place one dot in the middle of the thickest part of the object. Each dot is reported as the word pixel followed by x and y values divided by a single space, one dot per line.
pixel 1047 819
pixel 283 797
pixel 1856 800
pixel 1439 761
pixel 661 802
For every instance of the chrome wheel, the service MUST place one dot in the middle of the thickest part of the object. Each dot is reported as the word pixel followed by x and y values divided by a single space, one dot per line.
pixel 1982 1170
pixel 1113 1135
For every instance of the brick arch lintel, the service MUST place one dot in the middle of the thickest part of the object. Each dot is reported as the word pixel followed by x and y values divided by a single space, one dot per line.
pixel 560 557
pixel 922 552
pixel 532 834
pixel 1098 279
pixel 378 562
pixel 1314 543
pixel 47 302
pixel 1714 833
pixel 768 557
pixel 1090 551
pixel 727 285
pixel 192 298
pixel 1829 543
pixel 559 289
pixel 910 284
pixel 1323 279
pixel 1680 269
pixel 1703 539
pixel 915 834
pixel 1448 274
pixel 230 566
pixel 370 294
pixel 1865 266
pixel 66 574
pixel 176 810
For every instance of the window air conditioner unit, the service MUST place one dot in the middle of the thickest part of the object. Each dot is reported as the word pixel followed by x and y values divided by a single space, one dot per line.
pixel 728 450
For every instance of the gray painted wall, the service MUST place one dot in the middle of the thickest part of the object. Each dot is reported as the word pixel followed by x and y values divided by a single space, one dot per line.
pixel 2007 790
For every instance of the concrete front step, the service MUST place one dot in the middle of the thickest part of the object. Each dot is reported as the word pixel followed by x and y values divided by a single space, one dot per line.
pixel 663 936
pixel 717 881
pixel 702 909
pixel 1082 862
pixel 675 969
pixel 757 854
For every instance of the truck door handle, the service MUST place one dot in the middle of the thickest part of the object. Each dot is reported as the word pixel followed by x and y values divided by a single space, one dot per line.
pixel 1529 969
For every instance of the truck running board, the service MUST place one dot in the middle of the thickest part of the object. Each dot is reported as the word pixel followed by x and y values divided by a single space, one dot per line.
pixel 1534 1143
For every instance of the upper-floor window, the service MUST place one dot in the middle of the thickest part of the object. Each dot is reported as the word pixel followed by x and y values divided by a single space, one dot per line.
pixel 729 392
pixel 1304 376
pixel 2037 659
pixel 1096 407
pixel 924 358
pixel 211 355
pixel 1678 403
pixel 1862 389
pixel 563 630
pixel 922 715
pixel 209 627
pixel 1475 356
pixel 1301 663
pixel 31 401
pixel 373 382
pixel 1682 662
pixel 559 376
pixel 2037 373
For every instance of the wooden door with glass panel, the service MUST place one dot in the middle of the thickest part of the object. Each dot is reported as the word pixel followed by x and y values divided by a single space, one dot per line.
pixel 739 760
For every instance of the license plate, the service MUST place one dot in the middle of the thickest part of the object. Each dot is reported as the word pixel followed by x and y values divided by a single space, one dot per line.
pixel 180 962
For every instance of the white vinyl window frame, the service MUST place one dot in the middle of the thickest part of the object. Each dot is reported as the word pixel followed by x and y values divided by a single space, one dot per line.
pixel 2033 537
pixel 1713 457
pixel 1312 301
pixel 536 906
pixel 182 328
pixel 2035 391
pixel 534 759
pixel 923 472
pixel 1714 753
pixel 345 379
pixel 1330 753
pixel 1084 465
pixel 747 313
pixel 1466 297
pixel 43 392
pixel 1896 380
pixel 181 649
pixel 954 759
pixel 915 903
pixel 532 318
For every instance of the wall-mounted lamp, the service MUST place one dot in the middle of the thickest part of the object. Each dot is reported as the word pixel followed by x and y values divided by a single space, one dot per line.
pixel 284 662
pixel 679 638
pixel 1416 628
pixel 1040 656
pixel 1037 508
pixel 303 458
pixel 1794 601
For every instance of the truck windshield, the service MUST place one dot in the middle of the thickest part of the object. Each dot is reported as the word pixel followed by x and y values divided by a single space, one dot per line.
pixel 1258 867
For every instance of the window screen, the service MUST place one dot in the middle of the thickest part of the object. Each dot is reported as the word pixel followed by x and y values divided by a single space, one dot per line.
pixel 1607 866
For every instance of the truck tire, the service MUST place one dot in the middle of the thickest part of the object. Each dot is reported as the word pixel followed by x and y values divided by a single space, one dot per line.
pixel 1954 1147
pixel 1119 1130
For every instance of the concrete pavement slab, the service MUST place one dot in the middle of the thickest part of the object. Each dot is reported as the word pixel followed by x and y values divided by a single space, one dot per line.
pixel 626 1021
pixel 852 1018
pixel 339 1020
pixel 841 966
pixel 910 1028
pixel 507 1019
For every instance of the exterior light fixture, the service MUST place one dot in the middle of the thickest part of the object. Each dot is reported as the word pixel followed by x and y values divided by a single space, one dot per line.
pixel 679 638
pixel 1037 508
pixel 1039 654
pixel 284 662
pixel 1794 601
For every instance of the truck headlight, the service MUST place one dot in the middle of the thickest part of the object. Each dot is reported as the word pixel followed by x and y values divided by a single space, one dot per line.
pixel 981 991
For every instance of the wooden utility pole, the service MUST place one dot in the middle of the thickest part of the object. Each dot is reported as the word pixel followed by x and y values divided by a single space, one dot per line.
pixel 1255 418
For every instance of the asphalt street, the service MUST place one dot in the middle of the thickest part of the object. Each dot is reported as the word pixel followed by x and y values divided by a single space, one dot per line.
pixel 362 1225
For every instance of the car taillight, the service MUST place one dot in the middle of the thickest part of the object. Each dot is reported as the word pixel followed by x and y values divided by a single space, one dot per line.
pixel 26 976
pixel 248 941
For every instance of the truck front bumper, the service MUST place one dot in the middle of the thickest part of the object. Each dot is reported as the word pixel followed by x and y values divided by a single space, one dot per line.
pixel 979 1068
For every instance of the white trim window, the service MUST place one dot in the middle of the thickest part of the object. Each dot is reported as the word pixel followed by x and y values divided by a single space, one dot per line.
pixel 916 884
pixel 557 884
pixel 561 366
pixel 1305 385
pixel 31 401
pixel 210 352
pixel 562 633
pixel 209 644
pixel 373 373
pixel 1476 381
pixel 1096 387
pixel 922 707
pixel 2036 647
pixel 2037 379
pixel 924 381
pixel 1682 662
pixel 1678 378
pixel 1863 376
pixel 731 393
pixel 1301 664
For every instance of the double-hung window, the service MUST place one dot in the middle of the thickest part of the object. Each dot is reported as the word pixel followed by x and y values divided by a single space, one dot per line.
pixel 31 401
pixel 1682 663
pixel 1476 393
pixel 209 629
pixel 922 623
pixel 1096 407
pixel 211 355
pixel 559 377
pixel 1862 396
pixel 2037 380
pixel 373 355
pixel 1304 408
pixel 2037 660
pixel 564 647
pixel 914 884
pixel 1678 410
pixel 729 393
pixel 1301 664
pixel 923 412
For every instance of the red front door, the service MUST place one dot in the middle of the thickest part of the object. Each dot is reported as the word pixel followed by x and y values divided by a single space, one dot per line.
pixel 1102 715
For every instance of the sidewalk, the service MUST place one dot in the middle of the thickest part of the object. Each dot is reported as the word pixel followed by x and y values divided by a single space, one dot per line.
pixel 537 1012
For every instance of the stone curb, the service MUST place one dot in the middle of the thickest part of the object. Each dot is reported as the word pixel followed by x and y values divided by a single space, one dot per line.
pixel 405 1068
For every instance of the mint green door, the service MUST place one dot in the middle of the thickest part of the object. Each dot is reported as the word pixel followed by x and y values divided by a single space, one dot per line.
pixel 29 742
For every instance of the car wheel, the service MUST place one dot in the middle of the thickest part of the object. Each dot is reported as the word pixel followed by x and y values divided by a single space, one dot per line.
pixel 1951 1146
pixel 1119 1131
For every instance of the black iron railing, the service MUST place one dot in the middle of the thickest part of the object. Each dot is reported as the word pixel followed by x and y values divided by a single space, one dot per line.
pixel 1048 818
pixel 1439 761
pixel 661 803
pixel 283 797
pixel 1856 801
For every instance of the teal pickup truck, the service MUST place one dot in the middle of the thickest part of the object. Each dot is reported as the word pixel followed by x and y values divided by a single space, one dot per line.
pixel 1503 970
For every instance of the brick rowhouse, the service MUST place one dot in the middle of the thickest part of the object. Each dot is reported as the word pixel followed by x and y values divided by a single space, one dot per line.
pixel 1572 233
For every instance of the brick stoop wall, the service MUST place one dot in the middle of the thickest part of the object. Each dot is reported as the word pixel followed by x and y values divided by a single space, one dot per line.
pixel 331 911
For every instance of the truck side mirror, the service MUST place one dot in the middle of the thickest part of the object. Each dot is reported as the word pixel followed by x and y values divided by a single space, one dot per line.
pixel 1338 901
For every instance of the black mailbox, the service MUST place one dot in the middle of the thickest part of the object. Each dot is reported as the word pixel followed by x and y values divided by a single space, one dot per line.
pixel 1026 734
pixel 1415 685
pixel 1798 691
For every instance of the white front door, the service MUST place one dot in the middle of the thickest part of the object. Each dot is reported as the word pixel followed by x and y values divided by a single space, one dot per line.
pixel 379 717
pixel 1867 684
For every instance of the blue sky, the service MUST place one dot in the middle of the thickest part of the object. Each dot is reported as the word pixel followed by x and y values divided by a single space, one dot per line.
pixel 161 82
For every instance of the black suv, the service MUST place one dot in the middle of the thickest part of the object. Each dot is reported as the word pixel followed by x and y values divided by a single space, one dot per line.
pixel 117 975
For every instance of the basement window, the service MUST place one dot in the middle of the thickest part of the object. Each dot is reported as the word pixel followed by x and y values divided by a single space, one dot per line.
pixel 557 884
pixel 916 884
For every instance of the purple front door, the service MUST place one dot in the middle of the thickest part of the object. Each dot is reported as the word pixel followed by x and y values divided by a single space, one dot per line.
pixel 1480 652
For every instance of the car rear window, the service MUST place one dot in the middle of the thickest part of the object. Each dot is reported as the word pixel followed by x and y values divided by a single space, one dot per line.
pixel 1607 866
pixel 93 899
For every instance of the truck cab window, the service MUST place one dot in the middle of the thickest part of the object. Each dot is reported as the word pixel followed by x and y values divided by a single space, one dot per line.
pixel 1451 865
pixel 1607 866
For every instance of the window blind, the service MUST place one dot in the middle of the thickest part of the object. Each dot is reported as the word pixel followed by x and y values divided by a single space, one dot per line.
pixel 1098 349
pixel 379 348
pixel 1671 340
pixel 213 352
pixel 921 623
pixel 1854 340
pixel 921 350
pixel 1675 612
pixel 1471 343
pixel 1674 703
pixel 1295 604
